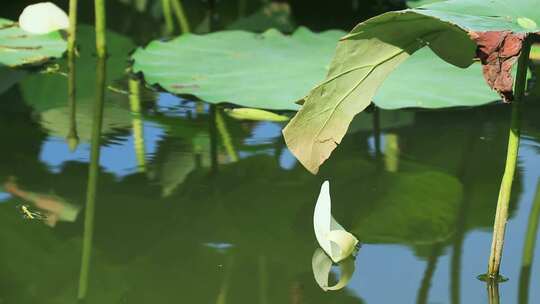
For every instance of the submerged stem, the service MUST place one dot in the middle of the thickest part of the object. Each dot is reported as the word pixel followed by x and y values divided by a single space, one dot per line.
pixel 501 215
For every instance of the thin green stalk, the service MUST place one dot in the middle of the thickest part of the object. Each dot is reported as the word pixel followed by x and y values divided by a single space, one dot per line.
pixel 137 124
pixel 181 16
pixel 167 14
pixel 528 249
pixel 501 215
pixel 92 179
pixel 101 43
pixel 72 137
pixel 72 31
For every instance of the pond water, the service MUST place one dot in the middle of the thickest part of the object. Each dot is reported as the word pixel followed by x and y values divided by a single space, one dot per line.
pixel 192 205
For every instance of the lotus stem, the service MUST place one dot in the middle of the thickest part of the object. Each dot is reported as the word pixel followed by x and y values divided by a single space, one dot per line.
pixel 72 137
pixel 167 14
pixel 137 124
pixel 72 31
pixel 181 16
pixel 501 215
pixel 92 179
pixel 528 249
pixel 101 43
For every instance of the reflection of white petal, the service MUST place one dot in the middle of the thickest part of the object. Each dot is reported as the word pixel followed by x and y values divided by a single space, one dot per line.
pixel 332 237
pixel 42 18
pixel 322 266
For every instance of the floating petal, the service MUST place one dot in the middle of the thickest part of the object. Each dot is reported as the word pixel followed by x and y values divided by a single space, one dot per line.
pixel 42 18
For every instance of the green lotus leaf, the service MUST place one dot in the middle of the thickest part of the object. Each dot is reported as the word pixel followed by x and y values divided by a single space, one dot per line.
pixel 18 47
pixel 268 70
pixel 453 30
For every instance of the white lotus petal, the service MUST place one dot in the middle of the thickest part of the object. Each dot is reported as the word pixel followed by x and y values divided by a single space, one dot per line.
pixel 322 218
pixel 42 18
pixel 332 237
pixel 322 265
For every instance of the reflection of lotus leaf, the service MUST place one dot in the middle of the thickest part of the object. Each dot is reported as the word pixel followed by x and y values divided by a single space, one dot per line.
pixel 48 94
pixel 57 121
pixel 421 208
pixel 416 205
pixel 18 47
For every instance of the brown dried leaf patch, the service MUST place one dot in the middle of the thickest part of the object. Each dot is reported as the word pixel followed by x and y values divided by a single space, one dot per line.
pixel 498 51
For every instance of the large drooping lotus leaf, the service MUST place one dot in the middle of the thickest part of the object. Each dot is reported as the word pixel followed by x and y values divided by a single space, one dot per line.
pixel 457 31
pixel 18 47
pixel 268 70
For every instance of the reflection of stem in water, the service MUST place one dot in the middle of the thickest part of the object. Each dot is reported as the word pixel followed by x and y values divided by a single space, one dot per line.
pixel 377 131
pixel 101 44
pixel 92 179
pixel 167 14
pixel 224 289
pixel 213 139
pixel 72 31
pixel 225 137
pixel 137 123
pixel 461 222
pixel 501 215
pixel 493 292
pixel 455 262
pixel 263 280
pixel 296 293
pixel 181 16
pixel 391 152
pixel 423 292
pixel 528 249
pixel 72 137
